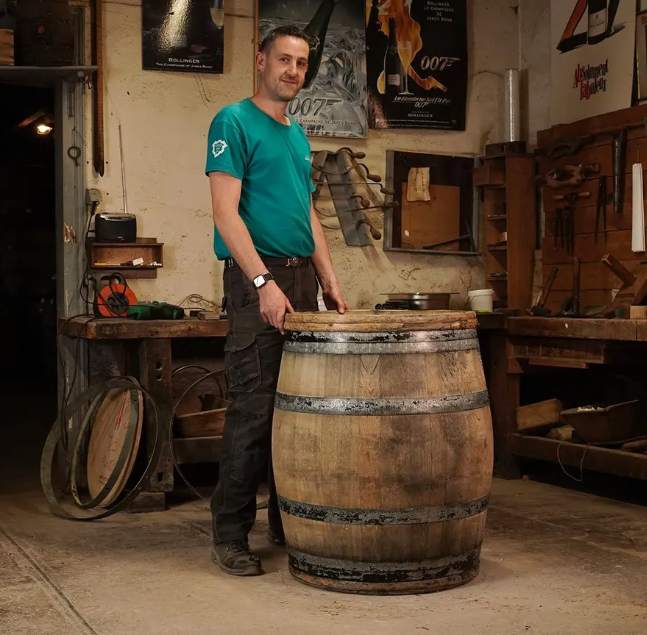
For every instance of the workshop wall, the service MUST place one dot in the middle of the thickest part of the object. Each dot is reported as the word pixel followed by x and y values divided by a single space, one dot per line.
pixel 534 43
pixel 165 118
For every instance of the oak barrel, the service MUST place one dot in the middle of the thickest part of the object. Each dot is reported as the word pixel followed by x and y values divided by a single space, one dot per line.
pixel 382 450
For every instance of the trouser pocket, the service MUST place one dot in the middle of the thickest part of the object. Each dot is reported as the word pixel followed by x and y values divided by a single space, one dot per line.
pixel 242 363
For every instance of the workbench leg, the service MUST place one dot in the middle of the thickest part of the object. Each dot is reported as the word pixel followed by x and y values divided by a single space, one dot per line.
pixel 503 388
pixel 155 365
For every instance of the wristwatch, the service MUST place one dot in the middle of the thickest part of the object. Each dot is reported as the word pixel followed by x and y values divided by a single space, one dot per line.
pixel 262 280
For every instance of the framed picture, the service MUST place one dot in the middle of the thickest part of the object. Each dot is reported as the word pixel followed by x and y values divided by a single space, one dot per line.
pixel 183 37
pixel 416 60
pixel 592 66
pixel 333 100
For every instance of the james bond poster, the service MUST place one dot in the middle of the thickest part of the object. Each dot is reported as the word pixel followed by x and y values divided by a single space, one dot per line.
pixel 592 66
pixel 333 100
pixel 417 63
pixel 185 36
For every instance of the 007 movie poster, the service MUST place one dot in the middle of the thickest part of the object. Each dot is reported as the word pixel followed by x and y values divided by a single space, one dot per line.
pixel 183 36
pixel 417 63
pixel 332 102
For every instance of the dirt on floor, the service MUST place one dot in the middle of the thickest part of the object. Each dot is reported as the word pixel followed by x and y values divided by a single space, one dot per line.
pixel 554 562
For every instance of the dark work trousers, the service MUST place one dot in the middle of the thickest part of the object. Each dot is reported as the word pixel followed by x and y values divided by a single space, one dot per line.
pixel 253 352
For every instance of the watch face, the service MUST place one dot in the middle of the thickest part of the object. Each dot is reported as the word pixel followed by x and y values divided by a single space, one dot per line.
pixel 259 281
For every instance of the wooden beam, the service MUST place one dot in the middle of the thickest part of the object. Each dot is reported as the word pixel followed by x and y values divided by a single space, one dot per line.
pixel 117 328
pixel 575 455
pixel 596 125
pixel 503 389
pixel 590 329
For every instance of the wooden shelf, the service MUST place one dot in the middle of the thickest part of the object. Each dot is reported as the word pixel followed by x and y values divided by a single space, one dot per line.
pixel 508 188
pixel 113 253
pixel 599 459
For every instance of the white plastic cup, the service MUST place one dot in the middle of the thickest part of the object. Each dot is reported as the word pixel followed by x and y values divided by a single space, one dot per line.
pixel 481 300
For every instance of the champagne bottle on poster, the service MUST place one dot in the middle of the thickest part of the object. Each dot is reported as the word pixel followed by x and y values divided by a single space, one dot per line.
pixel 316 30
pixel 376 43
pixel 392 63
pixel 597 21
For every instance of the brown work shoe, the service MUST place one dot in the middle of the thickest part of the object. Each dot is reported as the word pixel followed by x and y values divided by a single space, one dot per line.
pixel 235 558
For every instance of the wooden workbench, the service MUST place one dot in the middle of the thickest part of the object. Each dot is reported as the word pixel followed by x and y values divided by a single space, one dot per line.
pixel 153 342
pixel 511 347
pixel 530 345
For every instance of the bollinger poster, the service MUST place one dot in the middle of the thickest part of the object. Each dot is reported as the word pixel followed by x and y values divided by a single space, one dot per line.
pixel 333 101
pixel 185 36
pixel 417 63
pixel 592 65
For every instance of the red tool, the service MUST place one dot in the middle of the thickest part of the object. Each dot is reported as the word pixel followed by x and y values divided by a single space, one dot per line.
pixel 115 298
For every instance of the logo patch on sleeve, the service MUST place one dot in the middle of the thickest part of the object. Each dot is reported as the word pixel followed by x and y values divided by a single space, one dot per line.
pixel 218 147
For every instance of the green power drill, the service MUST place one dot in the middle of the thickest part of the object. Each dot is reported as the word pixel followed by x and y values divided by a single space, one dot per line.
pixel 155 311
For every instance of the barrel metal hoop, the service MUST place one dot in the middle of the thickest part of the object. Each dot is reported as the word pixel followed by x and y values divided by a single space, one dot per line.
pixel 377 348
pixel 385 572
pixel 390 337
pixel 409 516
pixel 381 406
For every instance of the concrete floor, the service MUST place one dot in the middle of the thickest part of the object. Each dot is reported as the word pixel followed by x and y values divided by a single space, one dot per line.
pixel 554 562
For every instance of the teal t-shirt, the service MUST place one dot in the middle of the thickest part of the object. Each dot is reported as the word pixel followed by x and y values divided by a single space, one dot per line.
pixel 273 162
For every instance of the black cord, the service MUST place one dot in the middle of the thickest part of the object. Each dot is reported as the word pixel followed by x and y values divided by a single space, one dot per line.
pixel 67 390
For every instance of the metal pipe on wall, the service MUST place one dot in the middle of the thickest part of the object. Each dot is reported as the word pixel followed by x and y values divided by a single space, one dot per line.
pixel 512 106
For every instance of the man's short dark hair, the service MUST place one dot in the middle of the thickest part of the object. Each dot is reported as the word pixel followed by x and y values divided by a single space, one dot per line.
pixel 283 31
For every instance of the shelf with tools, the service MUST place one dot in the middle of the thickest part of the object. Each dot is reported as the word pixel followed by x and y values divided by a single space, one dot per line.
pixel 588 186
pixel 140 259
pixel 507 183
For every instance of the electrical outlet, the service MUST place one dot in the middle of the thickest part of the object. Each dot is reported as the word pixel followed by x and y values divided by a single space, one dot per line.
pixel 93 197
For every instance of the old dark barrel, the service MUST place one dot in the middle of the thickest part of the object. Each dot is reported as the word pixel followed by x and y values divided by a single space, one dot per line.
pixel 382 450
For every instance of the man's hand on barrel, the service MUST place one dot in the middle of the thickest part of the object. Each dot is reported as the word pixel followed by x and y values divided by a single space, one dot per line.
pixel 274 305
pixel 334 299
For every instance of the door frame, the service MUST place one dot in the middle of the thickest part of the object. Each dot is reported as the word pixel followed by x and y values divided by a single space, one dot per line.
pixel 71 218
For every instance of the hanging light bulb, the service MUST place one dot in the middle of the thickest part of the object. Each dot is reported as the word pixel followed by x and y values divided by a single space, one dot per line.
pixel 43 128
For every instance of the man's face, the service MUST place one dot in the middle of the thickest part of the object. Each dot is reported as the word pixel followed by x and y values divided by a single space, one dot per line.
pixel 284 67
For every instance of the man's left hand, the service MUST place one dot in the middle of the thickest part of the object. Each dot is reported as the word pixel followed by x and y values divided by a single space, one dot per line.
pixel 334 300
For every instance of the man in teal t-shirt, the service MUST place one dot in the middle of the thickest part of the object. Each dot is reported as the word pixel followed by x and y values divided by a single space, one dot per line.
pixel 275 256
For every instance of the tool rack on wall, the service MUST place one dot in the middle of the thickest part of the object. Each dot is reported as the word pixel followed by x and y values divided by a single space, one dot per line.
pixel 593 142
pixel 507 183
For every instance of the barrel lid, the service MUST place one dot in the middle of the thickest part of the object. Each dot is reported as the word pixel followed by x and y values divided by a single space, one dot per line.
pixel 372 321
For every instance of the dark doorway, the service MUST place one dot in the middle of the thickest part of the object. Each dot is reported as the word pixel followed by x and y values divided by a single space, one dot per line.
pixel 27 263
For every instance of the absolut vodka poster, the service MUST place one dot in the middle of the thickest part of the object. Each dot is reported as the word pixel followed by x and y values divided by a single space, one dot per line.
pixel 185 36
pixel 592 66
pixel 333 101
pixel 417 63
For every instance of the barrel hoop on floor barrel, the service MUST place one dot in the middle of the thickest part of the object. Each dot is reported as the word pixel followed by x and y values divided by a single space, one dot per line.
pixel 412 516
pixel 393 343
pixel 382 406
pixel 384 572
